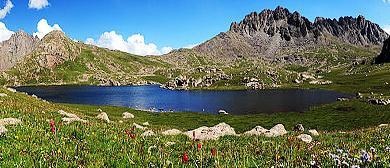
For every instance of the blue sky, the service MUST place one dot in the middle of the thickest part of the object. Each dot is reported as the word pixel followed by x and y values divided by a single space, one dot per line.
pixel 154 26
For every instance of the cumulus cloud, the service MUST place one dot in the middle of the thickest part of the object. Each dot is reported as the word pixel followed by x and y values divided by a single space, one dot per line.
pixel 5 34
pixel 384 1
pixel 38 4
pixel 135 44
pixel 6 10
pixel 166 50
pixel 190 46
pixel 44 28
pixel 386 28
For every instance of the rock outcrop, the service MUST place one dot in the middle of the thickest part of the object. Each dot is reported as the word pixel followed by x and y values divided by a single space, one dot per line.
pixel 103 116
pixel 207 133
pixel 305 138
pixel 171 132
pixel 275 131
pixel 384 57
pixel 127 115
pixel 15 48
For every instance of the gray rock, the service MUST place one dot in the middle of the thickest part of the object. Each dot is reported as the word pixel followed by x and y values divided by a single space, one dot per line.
pixel 10 121
pixel 383 125
pixel 305 138
pixel 127 115
pixel 3 130
pixel 222 112
pixel 207 133
pixel 70 120
pixel 3 95
pixel 11 90
pixel 138 126
pixel 171 132
pixel 148 133
pixel 258 130
pixel 145 123
pixel 70 115
pixel 314 132
pixel 104 117
pixel 298 128
pixel 277 130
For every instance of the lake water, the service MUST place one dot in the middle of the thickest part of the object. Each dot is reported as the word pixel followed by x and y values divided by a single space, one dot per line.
pixel 147 97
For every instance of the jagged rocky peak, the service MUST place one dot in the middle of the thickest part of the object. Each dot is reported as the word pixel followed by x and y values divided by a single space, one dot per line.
pixel 15 48
pixel 281 22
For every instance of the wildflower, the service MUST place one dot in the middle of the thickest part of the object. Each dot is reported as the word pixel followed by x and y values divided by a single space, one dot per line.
pixel 288 140
pixel 339 150
pixel 372 149
pixel 312 162
pixel 193 133
pixel 388 148
pixel 52 123
pixel 185 158
pixel 337 161
pixel 127 132
pixel 199 146
pixel 132 136
pixel 313 156
pixel 345 163
pixel 299 146
pixel 213 152
pixel 52 130
pixel 355 166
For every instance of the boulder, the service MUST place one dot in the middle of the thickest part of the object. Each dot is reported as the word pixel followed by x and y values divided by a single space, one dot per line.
pixel 258 130
pixel 10 121
pixel 103 116
pixel 139 127
pixel 145 123
pixel 342 99
pixel 314 132
pixel 277 130
pixel 207 133
pixel 222 112
pixel 127 115
pixel 3 130
pixel 70 115
pixel 120 121
pixel 11 90
pixel 70 120
pixel 148 133
pixel 305 138
pixel 3 95
pixel 298 128
pixel 383 125
pixel 171 132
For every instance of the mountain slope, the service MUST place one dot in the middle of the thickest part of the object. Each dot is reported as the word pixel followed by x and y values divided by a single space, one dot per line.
pixel 13 49
pixel 59 60
pixel 266 35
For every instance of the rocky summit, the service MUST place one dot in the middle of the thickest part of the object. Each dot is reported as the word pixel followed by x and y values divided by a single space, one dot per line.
pixel 265 35
pixel 14 49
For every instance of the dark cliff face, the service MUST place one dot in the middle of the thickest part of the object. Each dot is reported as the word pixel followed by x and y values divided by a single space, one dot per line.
pixel 15 48
pixel 281 22
pixel 385 54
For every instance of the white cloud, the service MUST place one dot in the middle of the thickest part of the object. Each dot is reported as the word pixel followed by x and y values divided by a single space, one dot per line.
pixel 384 1
pixel 386 28
pixel 135 44
pixel 44 28
pixel 38 4
pixel 5 34
pixel 190 46
pixel 6 9
pixel 166 50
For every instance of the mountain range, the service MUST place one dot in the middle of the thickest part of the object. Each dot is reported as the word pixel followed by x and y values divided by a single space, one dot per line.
pixel 274 47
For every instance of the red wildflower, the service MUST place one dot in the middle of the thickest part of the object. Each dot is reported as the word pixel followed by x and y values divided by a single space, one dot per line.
pixel 299 146
pixel 213 152
pixel 52 123
pixel 127 132
pixel 52 130
pixel 185 158
pixel 289 140
pixel 132 136
pixel 193 133
pixel 89 123
pixel 199 146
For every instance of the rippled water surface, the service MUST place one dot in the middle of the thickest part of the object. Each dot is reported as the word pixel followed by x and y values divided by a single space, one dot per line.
pixel 147 97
